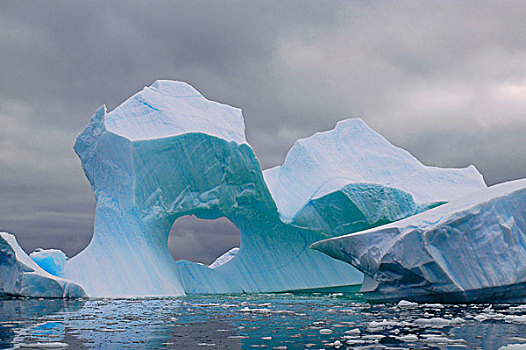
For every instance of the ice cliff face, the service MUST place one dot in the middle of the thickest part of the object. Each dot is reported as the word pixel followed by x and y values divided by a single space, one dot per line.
pixel 21 276
pixel 472 249
pixel 168 152
pixel 361 171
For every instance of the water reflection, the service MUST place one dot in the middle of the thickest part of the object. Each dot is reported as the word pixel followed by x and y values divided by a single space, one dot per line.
pixel 279 321
pixel 19 317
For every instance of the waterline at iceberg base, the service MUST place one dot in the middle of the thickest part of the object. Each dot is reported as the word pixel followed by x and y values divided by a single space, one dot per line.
pixel 168 152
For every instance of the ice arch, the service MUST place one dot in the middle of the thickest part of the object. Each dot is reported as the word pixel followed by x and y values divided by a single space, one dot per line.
pixel 201 240
pixel 168 152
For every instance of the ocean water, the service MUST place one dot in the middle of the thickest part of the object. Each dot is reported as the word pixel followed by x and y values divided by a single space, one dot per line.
pixel 270 321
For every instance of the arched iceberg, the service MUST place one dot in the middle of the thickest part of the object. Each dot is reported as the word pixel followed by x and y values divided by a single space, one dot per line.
pixel 167 152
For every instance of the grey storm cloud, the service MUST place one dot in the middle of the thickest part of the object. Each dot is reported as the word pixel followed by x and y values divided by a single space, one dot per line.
pixel 445 80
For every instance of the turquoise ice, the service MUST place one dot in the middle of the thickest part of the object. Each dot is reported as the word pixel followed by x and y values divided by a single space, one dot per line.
pixel 50 260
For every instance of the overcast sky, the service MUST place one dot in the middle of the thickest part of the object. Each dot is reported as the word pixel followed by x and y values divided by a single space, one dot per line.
pixel 445 80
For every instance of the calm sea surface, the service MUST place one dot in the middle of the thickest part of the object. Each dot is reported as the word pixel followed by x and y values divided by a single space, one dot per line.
pixel 272 321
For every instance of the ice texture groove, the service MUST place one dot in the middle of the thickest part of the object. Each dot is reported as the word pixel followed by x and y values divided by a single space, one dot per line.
pixel 472 249
pixel 21 276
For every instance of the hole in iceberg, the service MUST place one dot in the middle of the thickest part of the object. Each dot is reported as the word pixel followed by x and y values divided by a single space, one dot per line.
pixel 202 240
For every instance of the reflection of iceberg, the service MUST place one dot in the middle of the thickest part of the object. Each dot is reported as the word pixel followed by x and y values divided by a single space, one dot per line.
pixel 31 319
pixel 21 276
pixel 471 249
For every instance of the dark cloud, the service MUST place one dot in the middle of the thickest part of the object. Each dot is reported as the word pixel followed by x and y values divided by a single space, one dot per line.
pixel 202 240
pixel 445 80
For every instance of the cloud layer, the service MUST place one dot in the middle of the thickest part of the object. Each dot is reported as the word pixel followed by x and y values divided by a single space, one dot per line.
pixel 445 80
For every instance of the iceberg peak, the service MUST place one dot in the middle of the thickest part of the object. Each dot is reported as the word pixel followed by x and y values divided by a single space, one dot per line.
pixel 176 88
pixel 171 108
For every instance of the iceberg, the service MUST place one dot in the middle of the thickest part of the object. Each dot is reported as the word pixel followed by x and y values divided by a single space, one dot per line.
pixel 356 161
pixel 21 276
pixel 50 260
pixel 224 258
pixel 471 249
pixel 168 152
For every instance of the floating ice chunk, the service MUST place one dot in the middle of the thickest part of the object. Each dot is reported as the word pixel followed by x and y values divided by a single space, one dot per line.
pixel 256 310
pixel 513 347
pixel 489 316
pixel 520 308
pixel 405 303
pixel 438 322
pixel 408 338
pixel 387 324
pixel 439 339
pixel 337 344
pixel 515 319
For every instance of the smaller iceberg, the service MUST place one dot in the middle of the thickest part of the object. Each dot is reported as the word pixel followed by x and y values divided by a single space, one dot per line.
pixel 226 257
pixel 21 276
pixel 356 161
pixel 471 249
pixel 50 260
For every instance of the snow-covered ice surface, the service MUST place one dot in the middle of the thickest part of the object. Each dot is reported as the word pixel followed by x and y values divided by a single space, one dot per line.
pixel 173 108
pixel 271 321
pixel 168 152
pixel 353 153
pixel 21 276
pixel 472 249
pixel 224 258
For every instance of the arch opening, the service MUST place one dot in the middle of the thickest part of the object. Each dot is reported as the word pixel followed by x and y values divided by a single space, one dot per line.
pixel 202 240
